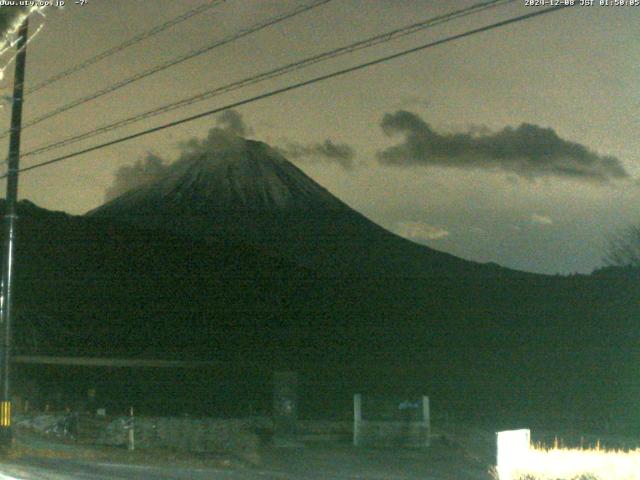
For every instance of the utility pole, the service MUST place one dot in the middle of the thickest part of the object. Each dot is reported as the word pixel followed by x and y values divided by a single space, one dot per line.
pixel 6 295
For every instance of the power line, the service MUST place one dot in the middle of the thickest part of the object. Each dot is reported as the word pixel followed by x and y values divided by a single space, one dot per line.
pixel 370 42
pixel 128 43
pixel 163 66
pixel 296 86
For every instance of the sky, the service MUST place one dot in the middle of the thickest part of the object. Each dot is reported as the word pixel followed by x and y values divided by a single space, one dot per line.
pixel 518 146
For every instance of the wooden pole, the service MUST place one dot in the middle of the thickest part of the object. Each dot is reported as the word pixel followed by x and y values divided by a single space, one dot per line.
pixel 10 216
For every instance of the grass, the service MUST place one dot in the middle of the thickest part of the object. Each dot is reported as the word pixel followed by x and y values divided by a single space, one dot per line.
pixel 28 445
pixel 541 463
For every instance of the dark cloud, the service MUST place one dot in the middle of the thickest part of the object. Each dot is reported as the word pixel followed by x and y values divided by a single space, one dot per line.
pixel 227 135
pixel 327 151
pixel 128 177
pixel 528 151
pixel 231 122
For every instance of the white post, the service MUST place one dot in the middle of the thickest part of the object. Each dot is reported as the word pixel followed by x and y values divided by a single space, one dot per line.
pixel 426 418
pixel 512 449
pixel 357 418
pixel 132 445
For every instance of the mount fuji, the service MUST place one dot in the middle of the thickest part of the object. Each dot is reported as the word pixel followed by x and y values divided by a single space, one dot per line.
pixel 245 191
pixel 234 254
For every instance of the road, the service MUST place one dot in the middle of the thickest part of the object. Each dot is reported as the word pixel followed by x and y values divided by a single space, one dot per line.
pixel 281 464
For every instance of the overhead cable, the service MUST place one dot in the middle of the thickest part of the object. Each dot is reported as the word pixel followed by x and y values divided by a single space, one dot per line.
pixel 291 67
pixel 170 63
pixel 124 45
pixel 296 86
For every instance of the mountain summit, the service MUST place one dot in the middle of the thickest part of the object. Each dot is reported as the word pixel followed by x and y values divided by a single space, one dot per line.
pixel 247 175
pixel 246 191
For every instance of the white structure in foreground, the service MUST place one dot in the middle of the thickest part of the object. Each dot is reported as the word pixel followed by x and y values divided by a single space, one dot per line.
pixel 512 450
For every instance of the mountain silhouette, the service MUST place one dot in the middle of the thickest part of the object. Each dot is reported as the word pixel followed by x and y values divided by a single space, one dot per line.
pixel 248 192
pixel 237 255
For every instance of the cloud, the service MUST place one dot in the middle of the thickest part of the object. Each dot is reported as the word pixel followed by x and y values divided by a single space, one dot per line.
pixel 528 151
pixel 327 151
pixel 226 135
pixel 128 177
pixel 420 231
pixel 541 219
pixel 231 122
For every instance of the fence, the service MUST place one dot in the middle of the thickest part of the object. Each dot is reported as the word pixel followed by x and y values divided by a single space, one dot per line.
pixel 388 421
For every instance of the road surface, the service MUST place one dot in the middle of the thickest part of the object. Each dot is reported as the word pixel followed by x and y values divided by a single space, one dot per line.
pixel 319 463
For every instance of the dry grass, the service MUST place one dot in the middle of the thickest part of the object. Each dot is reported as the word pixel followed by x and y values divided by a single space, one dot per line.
pixel 542 463
pixel 23 448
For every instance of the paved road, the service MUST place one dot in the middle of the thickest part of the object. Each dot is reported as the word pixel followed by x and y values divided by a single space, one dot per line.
pixel 72 470
pixel 281 464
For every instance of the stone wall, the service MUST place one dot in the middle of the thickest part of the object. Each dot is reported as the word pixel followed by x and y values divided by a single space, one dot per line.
pixel 187 434
pixel 237 437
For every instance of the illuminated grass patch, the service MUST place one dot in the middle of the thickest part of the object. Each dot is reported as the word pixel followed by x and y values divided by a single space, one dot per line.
pixel 518 460
pixel 564 463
